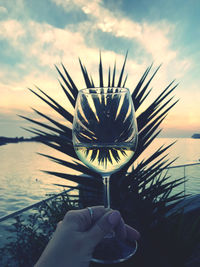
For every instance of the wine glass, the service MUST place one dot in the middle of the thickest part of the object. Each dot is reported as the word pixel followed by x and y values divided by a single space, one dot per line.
pixel 105 138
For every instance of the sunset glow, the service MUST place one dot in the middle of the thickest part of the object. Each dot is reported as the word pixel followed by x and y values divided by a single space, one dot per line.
pixel 35 35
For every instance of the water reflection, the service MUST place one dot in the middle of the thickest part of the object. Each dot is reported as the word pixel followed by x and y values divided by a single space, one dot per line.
pixel 22 182
pixel 186 149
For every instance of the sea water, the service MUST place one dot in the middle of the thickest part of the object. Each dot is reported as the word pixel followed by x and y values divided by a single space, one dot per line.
pixel 22 182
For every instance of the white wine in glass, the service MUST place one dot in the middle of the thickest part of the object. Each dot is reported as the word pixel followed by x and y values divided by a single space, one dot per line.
pixel 117 155
pixel 105 139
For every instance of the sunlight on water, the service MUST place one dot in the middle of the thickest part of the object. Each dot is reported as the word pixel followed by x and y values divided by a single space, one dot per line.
pixel 186 149
pixel 22 182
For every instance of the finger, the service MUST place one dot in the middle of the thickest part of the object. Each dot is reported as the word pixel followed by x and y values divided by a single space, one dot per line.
pixel 98 212
pixel 124 231
pixel 59 224
pixel 80 220
pixel 103 226
pixel 120 230
pixel 131 233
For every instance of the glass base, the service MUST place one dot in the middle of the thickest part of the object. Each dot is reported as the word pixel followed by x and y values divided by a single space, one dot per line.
pixel 112 250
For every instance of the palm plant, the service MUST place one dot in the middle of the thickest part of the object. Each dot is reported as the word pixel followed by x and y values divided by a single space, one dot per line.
pixel 143 194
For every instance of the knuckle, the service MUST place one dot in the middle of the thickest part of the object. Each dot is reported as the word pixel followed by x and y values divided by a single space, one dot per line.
pixel 69 215
pixel 59 223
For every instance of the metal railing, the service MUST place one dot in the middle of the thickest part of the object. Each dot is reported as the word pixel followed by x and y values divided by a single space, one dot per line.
pixel 32 206
pixel 184 166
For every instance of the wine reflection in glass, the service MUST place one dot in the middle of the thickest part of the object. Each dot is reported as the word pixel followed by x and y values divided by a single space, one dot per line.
pixel 105 138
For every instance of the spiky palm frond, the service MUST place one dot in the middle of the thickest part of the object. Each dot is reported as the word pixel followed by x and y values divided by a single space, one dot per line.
pixel 104 119
pixel 144 183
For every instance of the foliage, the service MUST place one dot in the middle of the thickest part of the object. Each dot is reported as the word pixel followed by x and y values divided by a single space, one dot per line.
pixel 30 234
pixel 181 237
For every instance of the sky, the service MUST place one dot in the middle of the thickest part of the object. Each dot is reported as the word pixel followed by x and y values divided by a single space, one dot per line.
pixel 37 34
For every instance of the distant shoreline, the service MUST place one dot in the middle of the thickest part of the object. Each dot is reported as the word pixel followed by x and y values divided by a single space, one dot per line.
pixel 8 140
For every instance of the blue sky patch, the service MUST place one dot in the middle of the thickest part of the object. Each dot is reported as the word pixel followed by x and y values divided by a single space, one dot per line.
pixel 48 12
pixel 9 55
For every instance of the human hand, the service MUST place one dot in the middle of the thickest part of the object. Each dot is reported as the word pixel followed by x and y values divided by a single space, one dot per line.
pixel 78 234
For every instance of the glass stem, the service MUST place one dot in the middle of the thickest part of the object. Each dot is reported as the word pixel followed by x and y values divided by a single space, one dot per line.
pixel 106 182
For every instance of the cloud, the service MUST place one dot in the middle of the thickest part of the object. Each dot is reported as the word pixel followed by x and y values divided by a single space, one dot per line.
pixel 155 38
pixel 11 30
pixel 52 45
pixel 42 45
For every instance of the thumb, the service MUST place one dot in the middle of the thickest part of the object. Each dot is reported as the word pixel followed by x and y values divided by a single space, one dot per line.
pixel 104 226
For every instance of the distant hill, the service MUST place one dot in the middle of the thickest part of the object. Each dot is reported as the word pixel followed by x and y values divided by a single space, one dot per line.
pixel 196 135
pixel 6 140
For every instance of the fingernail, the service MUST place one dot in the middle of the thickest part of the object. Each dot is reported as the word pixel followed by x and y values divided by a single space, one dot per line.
pixel 114 217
